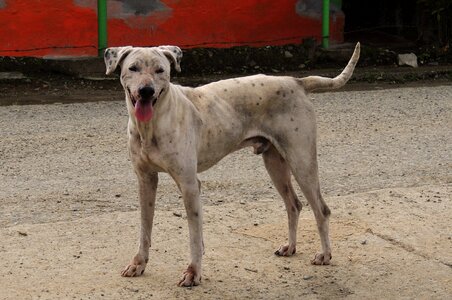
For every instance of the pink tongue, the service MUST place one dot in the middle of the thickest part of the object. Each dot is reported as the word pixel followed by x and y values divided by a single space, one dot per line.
pixel 143 111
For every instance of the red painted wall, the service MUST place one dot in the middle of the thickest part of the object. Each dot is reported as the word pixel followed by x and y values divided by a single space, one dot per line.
pixel 49 28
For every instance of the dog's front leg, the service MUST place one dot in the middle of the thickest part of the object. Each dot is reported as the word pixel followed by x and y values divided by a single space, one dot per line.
pixel 190 192
pixel 147 183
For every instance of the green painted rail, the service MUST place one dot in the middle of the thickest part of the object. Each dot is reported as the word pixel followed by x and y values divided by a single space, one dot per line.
pixel 101 26
pixel 326 24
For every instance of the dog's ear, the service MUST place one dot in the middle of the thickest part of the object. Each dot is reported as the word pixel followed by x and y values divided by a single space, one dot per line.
pixel 174 55
pixel 114 56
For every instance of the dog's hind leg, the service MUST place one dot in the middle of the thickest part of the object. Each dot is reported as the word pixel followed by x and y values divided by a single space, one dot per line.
pixel 305 170
pixel 279 172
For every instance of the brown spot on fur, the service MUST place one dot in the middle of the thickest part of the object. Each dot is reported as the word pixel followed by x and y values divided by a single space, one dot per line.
pixel 291 91
pixel 286 189
pixel 298 204
pixel 225 90
pixel 146 260
pixel 253 84
pixel 191 270
pixel 291 119
pixel 296 129
pixel 278 92
pixel 262 84
pixel 326 211
pixel 154 141
pixel 196 214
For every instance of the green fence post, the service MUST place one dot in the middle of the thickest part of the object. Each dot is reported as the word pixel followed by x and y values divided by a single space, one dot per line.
pixel 325 23
pixel 101 26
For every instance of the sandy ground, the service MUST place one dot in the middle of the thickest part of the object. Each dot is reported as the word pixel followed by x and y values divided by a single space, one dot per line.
pixel 69 220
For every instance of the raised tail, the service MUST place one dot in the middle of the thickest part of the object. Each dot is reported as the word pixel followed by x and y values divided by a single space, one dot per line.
pixel 313 83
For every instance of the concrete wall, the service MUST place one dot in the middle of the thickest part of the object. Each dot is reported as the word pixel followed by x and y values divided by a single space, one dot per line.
pixel 49 28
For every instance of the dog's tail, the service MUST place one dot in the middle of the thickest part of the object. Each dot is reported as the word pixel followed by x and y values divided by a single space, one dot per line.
pixel 313 83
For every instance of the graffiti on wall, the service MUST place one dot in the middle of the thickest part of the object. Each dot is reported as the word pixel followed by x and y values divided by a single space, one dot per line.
pixel 69 27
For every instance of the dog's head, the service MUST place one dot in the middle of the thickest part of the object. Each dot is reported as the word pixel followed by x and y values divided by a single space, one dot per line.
pixel 145 74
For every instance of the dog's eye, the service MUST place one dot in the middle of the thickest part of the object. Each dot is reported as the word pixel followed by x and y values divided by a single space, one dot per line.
pixel 133 68
pixel 159 71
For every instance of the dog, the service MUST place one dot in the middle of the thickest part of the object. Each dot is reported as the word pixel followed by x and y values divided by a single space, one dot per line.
pixel 183 131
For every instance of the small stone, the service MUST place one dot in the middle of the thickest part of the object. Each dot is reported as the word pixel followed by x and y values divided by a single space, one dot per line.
pixel 364 242
pixel 176 214
pixel 251 270
pixel 11 75
pixel 118 195
pixel 307 277
pixel 287 54
pixel 408 59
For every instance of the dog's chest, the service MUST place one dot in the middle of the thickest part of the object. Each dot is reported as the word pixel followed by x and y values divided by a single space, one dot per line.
pixel 145 154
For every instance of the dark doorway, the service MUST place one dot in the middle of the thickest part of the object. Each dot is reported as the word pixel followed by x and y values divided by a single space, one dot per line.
pixel 380 22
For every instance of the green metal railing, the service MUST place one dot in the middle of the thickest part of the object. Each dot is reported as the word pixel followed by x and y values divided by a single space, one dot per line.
pixel 326 24
pixel 101 26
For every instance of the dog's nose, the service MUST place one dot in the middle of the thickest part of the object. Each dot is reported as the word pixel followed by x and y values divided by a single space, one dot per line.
pixel 146 92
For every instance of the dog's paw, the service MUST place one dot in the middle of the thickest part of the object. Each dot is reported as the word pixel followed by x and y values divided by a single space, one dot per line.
pixel 286 250
pixel 135 268
pixel 190 277
pixel 321 259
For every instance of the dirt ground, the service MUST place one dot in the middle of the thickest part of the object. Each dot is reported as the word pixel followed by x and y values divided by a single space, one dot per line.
pixel 69 216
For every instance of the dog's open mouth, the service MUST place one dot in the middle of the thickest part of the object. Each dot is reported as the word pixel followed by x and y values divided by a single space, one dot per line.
pixel 144 108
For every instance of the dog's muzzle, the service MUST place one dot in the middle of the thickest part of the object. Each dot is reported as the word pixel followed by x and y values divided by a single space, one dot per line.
pixel 144 103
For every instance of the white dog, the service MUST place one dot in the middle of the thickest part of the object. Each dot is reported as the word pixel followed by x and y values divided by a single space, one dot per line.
pixel 184 131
